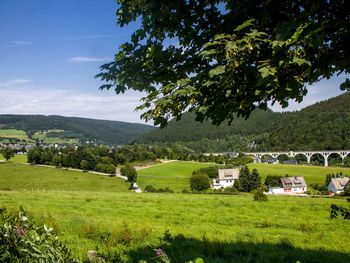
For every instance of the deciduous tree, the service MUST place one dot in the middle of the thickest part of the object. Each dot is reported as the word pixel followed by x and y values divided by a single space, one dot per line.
pixel 222 59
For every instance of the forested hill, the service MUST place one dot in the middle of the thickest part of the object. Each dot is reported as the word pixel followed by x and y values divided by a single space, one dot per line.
pixel 324 125
pixel 102 131
pixel 187 129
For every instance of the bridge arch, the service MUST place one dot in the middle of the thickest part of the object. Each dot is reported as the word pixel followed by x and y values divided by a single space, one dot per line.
pixel 337 156
pixel 314 155
pixel 305 157
pixel 281 155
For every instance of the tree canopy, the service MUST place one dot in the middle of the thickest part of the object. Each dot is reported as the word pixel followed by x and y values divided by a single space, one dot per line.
pixel 223 59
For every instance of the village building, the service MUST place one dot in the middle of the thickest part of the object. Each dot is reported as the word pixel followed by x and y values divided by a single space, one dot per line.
pixel 290 186
pixel 337 185
pixel 271 161
pixel 226 178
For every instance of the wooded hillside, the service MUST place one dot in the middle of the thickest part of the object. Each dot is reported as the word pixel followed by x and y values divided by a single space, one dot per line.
pixel 107 132
pixel 322 126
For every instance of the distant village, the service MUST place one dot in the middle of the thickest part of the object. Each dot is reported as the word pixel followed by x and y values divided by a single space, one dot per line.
pixel 294 185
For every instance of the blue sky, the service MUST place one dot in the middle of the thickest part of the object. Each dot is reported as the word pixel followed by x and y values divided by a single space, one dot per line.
pixel 51 50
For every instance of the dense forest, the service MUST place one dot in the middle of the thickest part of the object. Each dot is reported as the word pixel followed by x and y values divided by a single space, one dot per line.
pixel 322 126
pixel 101 131
pixel 187 129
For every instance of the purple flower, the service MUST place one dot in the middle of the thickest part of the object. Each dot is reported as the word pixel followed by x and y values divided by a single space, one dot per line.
pixel 159 252
pixel 21 230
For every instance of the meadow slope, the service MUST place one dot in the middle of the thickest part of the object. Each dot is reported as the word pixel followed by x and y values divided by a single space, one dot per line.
pixel 14 176
pixel 175 175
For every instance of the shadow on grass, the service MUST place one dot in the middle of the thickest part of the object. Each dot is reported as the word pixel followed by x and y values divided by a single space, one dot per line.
pixel 181 249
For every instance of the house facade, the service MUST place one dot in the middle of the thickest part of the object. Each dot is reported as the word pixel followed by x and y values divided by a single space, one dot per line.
pixel 226 178
pixel 290 186
pixel 337 185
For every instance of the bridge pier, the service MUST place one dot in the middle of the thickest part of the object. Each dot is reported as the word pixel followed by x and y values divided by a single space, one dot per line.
pixel 307 154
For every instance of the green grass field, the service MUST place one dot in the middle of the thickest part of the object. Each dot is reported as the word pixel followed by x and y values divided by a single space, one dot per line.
pixel 87 209
pixel 42 137
pixel 25 177
pixel 18 158
pixel 11 133
pixel 174 175
pixel 312 174
pixel 216 227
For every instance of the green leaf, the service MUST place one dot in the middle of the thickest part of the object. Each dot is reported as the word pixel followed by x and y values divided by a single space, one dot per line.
pixel 244 25
pixel 301 61
pixel 267 71
pixel 217 71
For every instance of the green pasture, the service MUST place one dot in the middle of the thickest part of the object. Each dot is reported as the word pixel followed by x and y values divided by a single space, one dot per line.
pixel 174 175
pixel 18 158
pixel 22 177
pixel 312 174
pixel 98 212
pixel 218 228
pixel 42 137
pixel 12 133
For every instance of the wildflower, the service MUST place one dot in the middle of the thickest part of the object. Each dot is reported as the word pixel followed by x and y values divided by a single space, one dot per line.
pixel 21 231
pixel 159 252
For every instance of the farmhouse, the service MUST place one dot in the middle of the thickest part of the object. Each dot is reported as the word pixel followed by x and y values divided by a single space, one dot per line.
pixel 337 185
pixel 226 178
pixel 290 185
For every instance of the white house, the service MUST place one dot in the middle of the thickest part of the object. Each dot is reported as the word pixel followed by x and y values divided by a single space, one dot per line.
pixel 226 178
pixel 337 185
pixel 290 186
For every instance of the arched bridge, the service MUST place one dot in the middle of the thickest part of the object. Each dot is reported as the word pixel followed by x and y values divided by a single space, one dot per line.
pixel 307 154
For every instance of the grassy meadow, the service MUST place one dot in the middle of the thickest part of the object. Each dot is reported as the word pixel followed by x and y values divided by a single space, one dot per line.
pixel 98 212
pixel 217 228
pixel 23 177
pixel 312 174
pixel 18 158
pixel 6 134
pixel 12 133
pixel 174 175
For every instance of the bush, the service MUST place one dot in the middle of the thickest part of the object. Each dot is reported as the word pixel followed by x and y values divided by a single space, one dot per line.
pixel 212 171
pixel 273 181
pixel 152 189
pixel 105 168
pixel 129 172
pixel 199 182
pixel 24 241
pixel 259 195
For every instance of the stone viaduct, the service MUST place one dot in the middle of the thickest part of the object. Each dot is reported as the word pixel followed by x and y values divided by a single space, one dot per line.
pixel 307 154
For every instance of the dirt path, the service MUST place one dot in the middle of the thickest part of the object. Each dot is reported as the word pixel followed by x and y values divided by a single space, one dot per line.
pixel 140 167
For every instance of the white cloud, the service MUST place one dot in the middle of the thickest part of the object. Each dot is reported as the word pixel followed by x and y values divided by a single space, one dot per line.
pixel 98 105
pixel 13 82
pixel 317 92
pixel 82 59
pixel 21 43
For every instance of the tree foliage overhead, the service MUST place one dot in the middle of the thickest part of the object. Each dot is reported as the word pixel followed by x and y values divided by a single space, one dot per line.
pixel 226 58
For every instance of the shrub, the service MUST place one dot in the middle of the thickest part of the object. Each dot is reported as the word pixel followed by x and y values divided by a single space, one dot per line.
pixel 273 181
pixel 152 189
pixel 129 172
pixel 8 153
pixel 249 180
pixel 259 195
pixel 199 182
pixel 22 240
pixel 212 171
pixel 105 168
